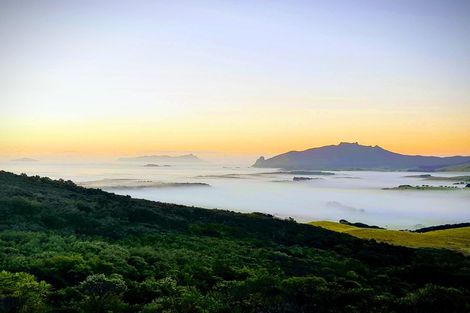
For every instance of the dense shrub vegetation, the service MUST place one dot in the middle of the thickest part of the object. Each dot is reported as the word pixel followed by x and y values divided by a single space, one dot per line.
pixel 441 227
pixel 64 248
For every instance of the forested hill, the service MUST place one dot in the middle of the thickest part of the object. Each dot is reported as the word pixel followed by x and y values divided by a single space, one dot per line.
pixel 64 248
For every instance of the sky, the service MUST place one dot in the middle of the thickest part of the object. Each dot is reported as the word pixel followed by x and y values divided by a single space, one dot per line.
pixel 233 77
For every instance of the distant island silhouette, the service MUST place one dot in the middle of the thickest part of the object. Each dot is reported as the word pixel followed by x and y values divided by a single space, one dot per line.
pixel 353 156
pixel 186 158
pixel 24 160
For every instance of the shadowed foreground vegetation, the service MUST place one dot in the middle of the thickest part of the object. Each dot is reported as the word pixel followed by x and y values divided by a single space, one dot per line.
pixel 64 248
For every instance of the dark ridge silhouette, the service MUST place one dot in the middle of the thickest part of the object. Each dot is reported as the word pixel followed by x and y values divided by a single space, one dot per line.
pixel 353 156
pixel 162 158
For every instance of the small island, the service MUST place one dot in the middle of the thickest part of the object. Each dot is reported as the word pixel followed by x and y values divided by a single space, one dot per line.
pixel 156 165
pixel 420 176
pixel 300 178
pixel 306 173
pixel 461 178
pixel 425 187
pixel 125 183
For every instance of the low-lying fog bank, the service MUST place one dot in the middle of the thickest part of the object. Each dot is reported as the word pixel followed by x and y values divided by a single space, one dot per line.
pixel 355 196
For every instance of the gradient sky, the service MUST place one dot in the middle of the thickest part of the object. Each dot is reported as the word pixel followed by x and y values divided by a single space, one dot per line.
pixel 254 77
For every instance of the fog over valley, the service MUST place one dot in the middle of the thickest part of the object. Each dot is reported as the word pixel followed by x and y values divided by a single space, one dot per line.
pixel 303 195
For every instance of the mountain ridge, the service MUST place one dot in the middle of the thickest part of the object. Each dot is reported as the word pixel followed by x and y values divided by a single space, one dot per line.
pixel 162 158
pixel 353 156
pixel 24 160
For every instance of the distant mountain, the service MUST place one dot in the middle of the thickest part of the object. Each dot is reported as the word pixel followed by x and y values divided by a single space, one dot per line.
pixel 24 160
pixel 353 156
pixel 186 158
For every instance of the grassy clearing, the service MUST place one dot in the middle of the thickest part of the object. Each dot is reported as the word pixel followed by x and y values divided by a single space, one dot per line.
pixel 457 239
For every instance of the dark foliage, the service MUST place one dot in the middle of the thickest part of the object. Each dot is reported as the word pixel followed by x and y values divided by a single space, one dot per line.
pixel 64 248
pixel 441 227
pixel 360 225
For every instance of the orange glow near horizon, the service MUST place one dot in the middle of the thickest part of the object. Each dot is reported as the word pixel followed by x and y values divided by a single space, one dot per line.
pixel 251 132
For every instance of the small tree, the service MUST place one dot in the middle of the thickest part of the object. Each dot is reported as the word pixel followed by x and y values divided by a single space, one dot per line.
pixel 437 299
pixel 20 292
pixel 103 293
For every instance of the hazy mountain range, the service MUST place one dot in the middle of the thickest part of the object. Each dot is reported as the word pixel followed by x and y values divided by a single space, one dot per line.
pixel 186 158
pixel 353 156
pixel 24 160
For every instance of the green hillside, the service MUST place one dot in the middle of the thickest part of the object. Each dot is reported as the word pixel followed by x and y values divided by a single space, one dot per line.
pixel 457 239
pixel 64 248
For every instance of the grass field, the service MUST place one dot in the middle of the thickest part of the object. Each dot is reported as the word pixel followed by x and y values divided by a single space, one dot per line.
pixel 457 239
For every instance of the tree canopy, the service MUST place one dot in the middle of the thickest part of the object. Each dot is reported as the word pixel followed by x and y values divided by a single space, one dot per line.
pixel 65 248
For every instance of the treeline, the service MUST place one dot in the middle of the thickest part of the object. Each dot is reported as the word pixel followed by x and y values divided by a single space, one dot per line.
pixel 360 225
pixel 64 248
pixel 441 227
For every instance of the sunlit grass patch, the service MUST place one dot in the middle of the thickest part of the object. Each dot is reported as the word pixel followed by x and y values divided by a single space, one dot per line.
pixel 454 239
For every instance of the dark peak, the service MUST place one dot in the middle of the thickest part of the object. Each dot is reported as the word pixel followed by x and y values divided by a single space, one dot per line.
pixel 259 161
pixel 356 144
pixel 344 143
pixel 352 145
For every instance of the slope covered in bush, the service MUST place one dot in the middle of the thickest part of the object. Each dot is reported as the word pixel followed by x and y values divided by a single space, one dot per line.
pixel 64 248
